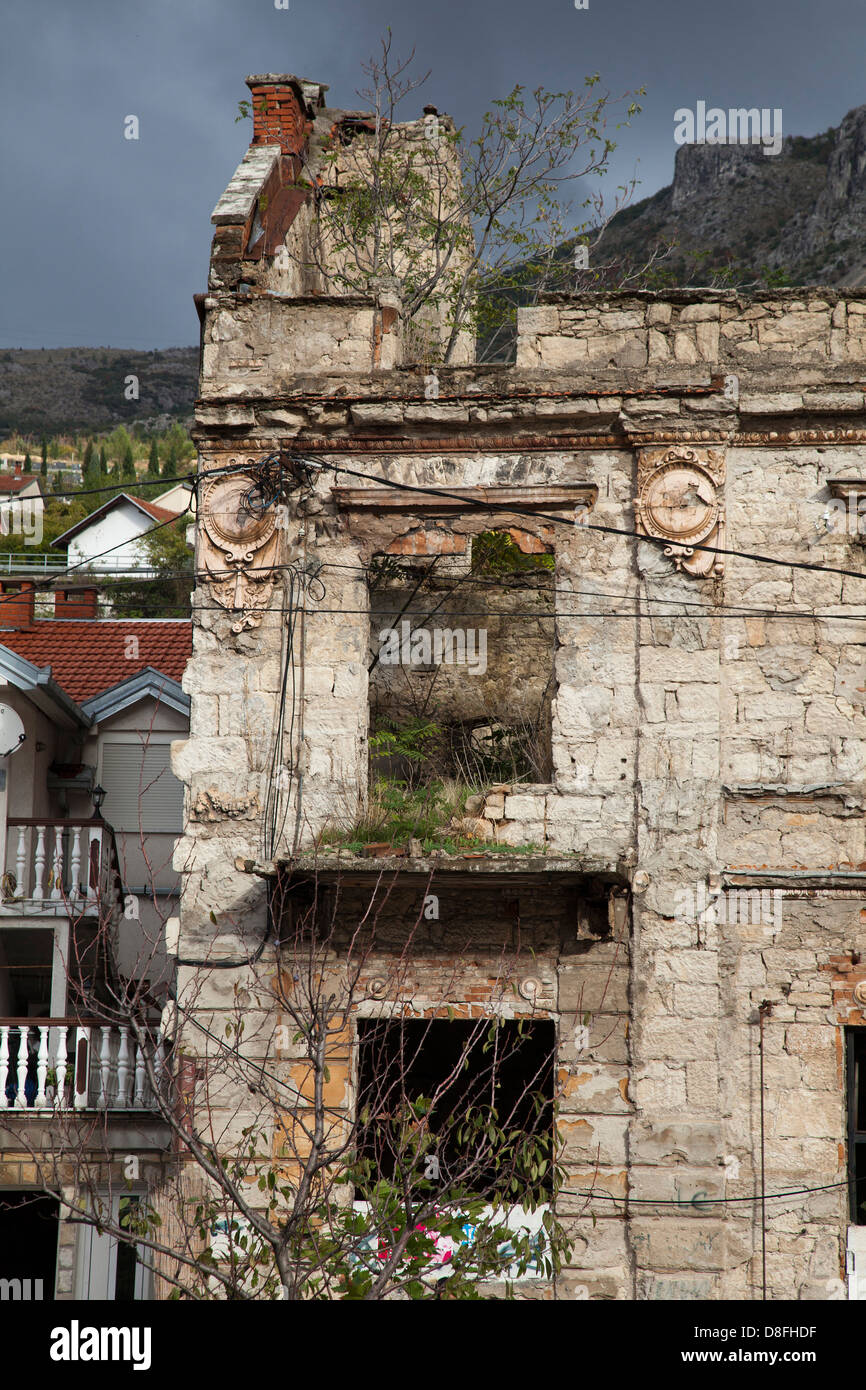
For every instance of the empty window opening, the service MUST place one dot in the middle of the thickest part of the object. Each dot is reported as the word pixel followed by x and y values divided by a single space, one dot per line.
pixel 29 1224
pixel 26 961
pixel 457 1104
pixel 856 1040
pixel 461 659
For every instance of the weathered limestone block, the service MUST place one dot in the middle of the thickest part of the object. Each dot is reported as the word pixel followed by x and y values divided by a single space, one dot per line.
pixel 521 832
pixel 674 1244
pixel 594 1138
pixel 213 755
pixel 593 1088
pixel 538 319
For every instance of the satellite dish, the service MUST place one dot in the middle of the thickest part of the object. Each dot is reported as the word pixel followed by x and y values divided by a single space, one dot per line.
pixel 12 733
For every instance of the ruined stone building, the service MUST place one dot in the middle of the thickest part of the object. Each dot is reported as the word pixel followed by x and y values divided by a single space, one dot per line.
pixel 656 700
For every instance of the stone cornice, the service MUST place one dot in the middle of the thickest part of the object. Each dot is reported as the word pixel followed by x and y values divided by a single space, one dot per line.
pixel 514 442
pixel 385 498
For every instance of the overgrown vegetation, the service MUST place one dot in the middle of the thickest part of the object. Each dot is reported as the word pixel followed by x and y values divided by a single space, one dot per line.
pixel 458 223
pixel 167 594
pixel 411 799
pixel 496 552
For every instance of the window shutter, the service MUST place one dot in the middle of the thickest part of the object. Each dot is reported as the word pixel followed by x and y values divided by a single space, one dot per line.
pixel 133 775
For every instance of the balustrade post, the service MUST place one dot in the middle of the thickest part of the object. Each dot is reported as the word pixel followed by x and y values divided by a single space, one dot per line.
pixel 39 862
pixel 21 1097
pixel 21 863
pixel 159 1063
pixel 4 1065
pixel 42 1066
pixel 60 1067
pixel 122 1099
pixel 75 864
pixel 104 1095
pixel 57 871
pixel 140 1078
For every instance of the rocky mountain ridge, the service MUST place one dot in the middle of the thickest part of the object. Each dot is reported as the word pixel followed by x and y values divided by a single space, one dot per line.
pixel 801 212
pixel 52 390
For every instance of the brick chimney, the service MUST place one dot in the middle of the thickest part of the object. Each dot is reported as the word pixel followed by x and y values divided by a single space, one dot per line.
pixel 17 597
pixel 75 603
pixel 279 112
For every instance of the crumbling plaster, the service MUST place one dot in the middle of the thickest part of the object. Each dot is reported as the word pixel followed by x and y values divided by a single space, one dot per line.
pixel 699 726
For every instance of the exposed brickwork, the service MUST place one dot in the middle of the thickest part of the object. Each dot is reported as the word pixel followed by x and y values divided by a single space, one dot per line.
pixel 278 116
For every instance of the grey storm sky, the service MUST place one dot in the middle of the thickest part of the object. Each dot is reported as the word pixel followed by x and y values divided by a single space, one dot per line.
pixel 105 240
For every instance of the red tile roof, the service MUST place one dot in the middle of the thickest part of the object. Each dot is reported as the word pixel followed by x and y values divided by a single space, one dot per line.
pixel 14 482
pixel 89 656
pixel 158 513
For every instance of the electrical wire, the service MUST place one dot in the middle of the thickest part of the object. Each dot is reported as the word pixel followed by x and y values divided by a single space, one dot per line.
pixel 48 580
pixel 709 610
pixel 697 1202
pixel 700 1201
pixel 473 503
pixel 156 607
pixel 191 478
pixel 478 505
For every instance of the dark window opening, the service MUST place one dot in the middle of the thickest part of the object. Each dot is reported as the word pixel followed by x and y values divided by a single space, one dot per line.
pixel 127 1255
pixel 29 1224
pixel 428 1089
pixel 461 660
pixel 26 958
pixel 856 1040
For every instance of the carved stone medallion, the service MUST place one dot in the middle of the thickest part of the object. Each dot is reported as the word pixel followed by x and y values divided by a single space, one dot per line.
pixel 239 544
pixel 679 501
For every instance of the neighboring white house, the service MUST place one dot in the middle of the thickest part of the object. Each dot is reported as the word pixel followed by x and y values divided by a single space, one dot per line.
pixel 179 498
pixel 109 541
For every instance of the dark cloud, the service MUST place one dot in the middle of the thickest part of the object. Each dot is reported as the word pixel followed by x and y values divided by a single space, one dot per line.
pixel 105 240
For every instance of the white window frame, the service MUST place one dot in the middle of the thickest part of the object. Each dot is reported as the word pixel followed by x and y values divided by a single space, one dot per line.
pixel 97 1256
pixel 59 929
pixel 857 1263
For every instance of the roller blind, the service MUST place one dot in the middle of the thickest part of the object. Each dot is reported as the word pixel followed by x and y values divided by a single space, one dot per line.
pixel 139 780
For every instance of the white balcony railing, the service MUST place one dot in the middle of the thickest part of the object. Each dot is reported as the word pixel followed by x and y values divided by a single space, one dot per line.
pixel 54 866
pixel 63 1064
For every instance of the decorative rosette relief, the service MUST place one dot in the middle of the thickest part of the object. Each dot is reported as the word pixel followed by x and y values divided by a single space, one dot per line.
pixel 239 543
pixel 681 501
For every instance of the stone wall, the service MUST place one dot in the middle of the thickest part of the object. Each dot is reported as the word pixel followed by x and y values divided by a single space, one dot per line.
pixel 726 330
pixel 707 727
